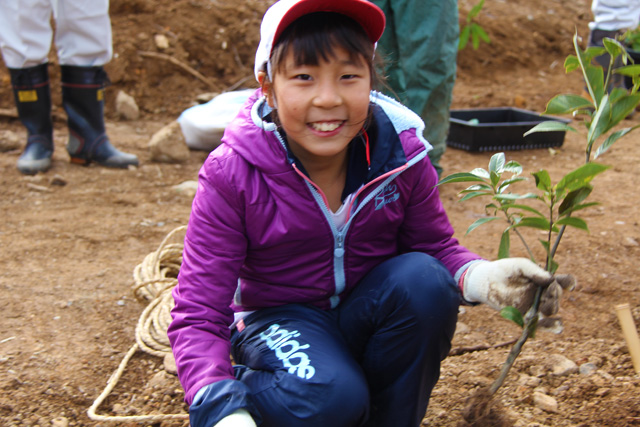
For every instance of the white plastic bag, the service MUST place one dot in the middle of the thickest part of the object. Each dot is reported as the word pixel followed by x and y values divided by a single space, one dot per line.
pixel 203 125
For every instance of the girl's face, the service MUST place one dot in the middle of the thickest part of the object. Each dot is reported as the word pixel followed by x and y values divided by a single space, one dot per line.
pixel 321 107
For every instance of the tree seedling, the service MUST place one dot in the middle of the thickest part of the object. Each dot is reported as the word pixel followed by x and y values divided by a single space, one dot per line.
pixel 550 207
pixel 472 30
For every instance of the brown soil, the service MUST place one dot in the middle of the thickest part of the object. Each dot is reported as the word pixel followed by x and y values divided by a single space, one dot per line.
pixel 69 251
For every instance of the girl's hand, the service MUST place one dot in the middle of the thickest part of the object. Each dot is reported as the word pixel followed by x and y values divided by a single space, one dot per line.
pixel 513 282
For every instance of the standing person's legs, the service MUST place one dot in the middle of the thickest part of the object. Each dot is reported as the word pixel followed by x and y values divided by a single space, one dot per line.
pixel 25 32
pixel 25 41
pixel 420 47
pixel 299 369
pixel 399 323
pixel 611 18
pixel 83 32
pixel 83 40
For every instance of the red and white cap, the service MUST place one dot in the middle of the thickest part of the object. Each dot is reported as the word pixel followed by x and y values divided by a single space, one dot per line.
pixel 282 14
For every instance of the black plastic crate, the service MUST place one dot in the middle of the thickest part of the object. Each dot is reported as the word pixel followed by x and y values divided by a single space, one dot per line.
pixel 500 129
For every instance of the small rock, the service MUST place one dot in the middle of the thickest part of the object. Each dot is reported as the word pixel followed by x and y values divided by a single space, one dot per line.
pixel 203 98
pixel 519 101
pixel 562 366
pixel 126 106
pixel 545 402
pixel 588 369
pixel 187 188
pixel 118 409
pixel 170 364
pixel 9 141
pixel 462 328
pixel 529 381
pixel 162 42
pixel 168 145
pixel 59 422
pixel 537 371
pixel 160 381
pixel 38 188
pixel 630 242
pixel 57 180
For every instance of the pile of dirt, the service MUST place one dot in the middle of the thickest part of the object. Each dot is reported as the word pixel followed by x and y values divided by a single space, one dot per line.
pixel 72 237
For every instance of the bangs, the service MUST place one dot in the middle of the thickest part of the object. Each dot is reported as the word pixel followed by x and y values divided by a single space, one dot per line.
pixel 314 38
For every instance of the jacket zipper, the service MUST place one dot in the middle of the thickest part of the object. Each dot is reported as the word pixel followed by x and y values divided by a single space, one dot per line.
pixel 339 235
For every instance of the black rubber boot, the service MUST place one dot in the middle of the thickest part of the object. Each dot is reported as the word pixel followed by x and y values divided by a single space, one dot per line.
pixel 33 101
pixel 83 100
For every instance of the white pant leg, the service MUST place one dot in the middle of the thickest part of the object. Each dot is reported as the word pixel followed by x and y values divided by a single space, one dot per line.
pixel 614 15
pixel 25 32
pixel 83 32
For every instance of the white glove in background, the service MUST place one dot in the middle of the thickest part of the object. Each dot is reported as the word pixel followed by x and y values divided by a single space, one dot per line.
pixel 240 418
pixel 513 282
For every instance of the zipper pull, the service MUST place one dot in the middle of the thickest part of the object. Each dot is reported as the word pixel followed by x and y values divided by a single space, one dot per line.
pixel 338 252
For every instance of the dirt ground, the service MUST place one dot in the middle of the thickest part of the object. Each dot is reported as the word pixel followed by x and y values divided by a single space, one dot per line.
pixel 69 251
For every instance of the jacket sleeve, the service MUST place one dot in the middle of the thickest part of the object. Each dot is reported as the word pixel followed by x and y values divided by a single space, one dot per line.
pixel 214 250
pixel 426 227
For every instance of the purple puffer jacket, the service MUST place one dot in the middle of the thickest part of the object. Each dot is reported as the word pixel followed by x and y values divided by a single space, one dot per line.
pixel 259 234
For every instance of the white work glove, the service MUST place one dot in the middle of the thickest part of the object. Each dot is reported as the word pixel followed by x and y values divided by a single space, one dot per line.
pixel 240 418
pixel 513 282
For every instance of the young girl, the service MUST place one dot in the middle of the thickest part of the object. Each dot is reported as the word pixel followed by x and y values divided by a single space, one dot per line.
pixel 318 253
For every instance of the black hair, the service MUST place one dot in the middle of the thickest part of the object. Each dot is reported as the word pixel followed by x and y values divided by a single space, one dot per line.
pixel 315 36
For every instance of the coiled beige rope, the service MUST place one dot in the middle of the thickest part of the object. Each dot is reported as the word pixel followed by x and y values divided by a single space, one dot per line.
pixel 154 279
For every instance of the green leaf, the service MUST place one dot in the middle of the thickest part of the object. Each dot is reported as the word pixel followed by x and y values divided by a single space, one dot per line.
pixel 595 77
pixel 592 51
pixel 611 139
pixel 580 207
pixel 496 163
pixel 483 34
pixel 550 126
pixel 573 222
pixel 481 173
pixel 505 245
pixel 580 177
pixel 623 107
pixel 513 167
pixel 574 198
pixel 475 10
pixel 545 245
pixel 600 122
pixel 460 177
pixel 513 196
pixel 543 180
pixel 539 223
pixel 566 104
pixel 613 47
pixel 495 178
pixel 464 37
pixel 571 63
pixel 475 39
pixel 477 223
pixel 507 182
pixel 629 70
pixel 474 194
pixel 513 314
pixel 528 209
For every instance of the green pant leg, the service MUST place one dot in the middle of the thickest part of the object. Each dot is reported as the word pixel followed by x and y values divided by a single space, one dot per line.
pixel 420 46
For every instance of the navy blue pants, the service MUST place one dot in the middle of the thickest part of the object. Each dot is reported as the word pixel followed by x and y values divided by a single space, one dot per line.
pixel 372 361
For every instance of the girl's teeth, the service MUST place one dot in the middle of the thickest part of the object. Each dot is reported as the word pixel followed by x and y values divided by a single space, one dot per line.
pixel 325 127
